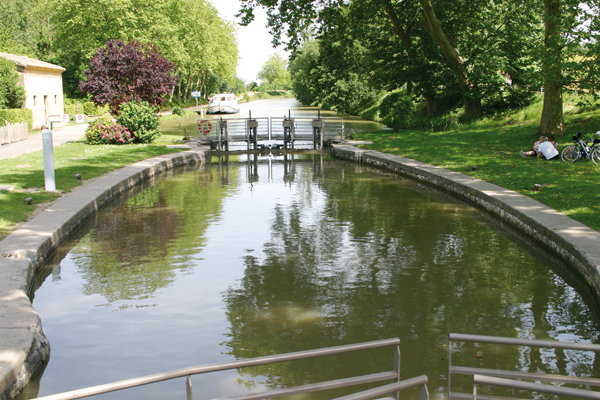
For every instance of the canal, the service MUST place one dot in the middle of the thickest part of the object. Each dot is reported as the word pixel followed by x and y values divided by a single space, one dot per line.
pixel 250 255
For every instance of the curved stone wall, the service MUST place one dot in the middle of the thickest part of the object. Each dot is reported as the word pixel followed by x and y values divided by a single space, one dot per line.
pixel 23 345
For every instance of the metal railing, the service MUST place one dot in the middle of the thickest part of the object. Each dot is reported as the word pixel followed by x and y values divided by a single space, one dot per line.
pixel 512 375
pixel 530 386
pixel 286 130
pixel 340 383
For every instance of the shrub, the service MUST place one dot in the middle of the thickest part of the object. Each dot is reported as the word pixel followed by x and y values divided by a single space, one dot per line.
pixel 16 115
pixel 397 110
pixel 105 131
pixel 89 108
pixel 178 111
pixel 141 120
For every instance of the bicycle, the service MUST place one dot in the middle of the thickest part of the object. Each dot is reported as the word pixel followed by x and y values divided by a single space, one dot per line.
pixel 574 152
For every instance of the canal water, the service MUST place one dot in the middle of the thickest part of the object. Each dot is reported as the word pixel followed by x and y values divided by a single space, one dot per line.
pixel 255 255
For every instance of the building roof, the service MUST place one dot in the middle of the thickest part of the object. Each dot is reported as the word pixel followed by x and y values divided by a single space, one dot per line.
pixel 32 63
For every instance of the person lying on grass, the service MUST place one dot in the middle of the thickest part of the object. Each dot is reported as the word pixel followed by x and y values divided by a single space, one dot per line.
pixel 547 149
pixel 534 150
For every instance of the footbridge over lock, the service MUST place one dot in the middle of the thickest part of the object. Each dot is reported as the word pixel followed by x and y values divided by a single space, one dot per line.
pixel 271 132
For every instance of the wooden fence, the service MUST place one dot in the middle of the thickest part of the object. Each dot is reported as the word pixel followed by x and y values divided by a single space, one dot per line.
pixel 13 133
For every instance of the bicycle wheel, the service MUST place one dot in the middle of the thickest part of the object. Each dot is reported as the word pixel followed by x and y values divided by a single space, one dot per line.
pixel 570 153
pixel 596 155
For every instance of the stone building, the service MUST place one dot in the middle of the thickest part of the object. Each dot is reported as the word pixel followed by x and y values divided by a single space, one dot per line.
pixel 43 87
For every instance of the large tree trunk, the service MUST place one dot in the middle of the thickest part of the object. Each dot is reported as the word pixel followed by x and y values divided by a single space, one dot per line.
pixel 424 83
pixel 471 100
pixel 552 122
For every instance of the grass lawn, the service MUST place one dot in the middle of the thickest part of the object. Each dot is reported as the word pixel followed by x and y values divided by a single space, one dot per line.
pixel 27 172
pixel 493 146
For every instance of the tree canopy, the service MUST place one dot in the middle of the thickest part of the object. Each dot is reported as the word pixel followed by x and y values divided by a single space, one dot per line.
pixel 12 95
pixel 482 54
pixel 188 33
pixel 275 74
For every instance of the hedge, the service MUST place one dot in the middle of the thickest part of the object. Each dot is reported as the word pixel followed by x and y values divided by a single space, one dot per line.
pixel 16 115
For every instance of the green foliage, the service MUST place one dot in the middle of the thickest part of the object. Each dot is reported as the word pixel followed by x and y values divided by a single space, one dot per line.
pixel 274 74
pixel 17 115
pixel 397 110
pixel 178 111
pixel 12 95
pixel 141 120
pixel 106 131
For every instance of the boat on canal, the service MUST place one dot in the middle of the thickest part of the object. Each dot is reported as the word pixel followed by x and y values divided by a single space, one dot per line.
pixel 223 103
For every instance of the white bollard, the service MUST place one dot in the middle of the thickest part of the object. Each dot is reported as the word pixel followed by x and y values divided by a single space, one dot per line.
pixel 48 160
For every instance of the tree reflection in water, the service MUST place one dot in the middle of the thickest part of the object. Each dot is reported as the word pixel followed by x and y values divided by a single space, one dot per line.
pixel 377 261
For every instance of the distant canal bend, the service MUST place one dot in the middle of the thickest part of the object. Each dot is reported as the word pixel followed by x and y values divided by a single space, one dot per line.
pixel 249 256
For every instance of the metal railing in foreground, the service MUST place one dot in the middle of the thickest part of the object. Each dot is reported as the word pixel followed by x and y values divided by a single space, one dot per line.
pixel 530 386
pixel 340 383
pixel 512 375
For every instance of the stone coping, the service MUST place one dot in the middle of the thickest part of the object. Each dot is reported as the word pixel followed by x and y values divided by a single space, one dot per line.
pixel 24 348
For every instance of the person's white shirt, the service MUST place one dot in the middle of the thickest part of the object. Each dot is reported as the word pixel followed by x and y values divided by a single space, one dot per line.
pixel 547 149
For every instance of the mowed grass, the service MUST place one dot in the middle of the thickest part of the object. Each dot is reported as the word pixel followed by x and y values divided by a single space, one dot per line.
pixel 26 174
pixel 493 146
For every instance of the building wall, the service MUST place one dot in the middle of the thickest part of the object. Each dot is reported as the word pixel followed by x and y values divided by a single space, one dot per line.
pixel 44 93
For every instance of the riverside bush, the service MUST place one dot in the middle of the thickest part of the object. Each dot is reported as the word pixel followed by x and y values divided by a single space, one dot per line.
pixel 105 131
pixel 140 119
pixel 397 110
pixel 16 115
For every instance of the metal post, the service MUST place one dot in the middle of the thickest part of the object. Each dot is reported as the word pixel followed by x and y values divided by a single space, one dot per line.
pixel 288 125
pixel 397 369
pixel 188 388
pixel 48 160
pixel 425 393
pixel 449 364
pixel 317 125
pixel 252 134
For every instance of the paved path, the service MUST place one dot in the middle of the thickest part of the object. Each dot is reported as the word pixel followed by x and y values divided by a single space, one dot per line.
pixel 60 135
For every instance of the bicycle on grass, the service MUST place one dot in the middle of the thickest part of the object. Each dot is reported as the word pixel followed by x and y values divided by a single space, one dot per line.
pixel 580 148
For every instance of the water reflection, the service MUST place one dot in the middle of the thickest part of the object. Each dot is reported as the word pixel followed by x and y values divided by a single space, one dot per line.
pixel 279 253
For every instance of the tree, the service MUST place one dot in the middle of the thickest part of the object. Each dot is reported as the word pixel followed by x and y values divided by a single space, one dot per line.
pixel 467 34
pixel 275 74
pixel 122 72
pixel 12 95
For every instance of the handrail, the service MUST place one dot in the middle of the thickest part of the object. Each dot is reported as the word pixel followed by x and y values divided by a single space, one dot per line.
pixel 523 342
pixel 187 372
pixel 392 387
pixel 503 375
pixel 534 387
pixel 314 387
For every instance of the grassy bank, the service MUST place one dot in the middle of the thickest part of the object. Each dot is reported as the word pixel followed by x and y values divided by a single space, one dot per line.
pixel 492 145
pixel 26 174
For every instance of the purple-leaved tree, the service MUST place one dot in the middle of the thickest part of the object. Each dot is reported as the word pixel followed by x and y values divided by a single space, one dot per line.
pixel 122 72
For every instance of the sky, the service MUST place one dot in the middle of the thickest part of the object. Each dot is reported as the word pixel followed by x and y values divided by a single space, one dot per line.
pixel 254 41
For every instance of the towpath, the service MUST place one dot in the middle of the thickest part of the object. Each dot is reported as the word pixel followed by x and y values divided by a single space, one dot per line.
pixel 60 135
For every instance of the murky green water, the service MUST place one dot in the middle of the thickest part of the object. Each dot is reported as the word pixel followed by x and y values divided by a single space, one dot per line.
pixel 270 255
